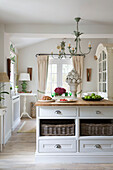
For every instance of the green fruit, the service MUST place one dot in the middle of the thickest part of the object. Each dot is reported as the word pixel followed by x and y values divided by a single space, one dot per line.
pixel 96 96
pixel 93 94
pixel 89 97
pixel 86 97
pixel 93 97
pixel 99 97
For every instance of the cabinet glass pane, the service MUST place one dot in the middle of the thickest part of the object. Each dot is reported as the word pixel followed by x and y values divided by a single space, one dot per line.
pixel 100 77
pixel 100 67
pixel 100 58
pixel 104 87
pixel 99 87
pixel 104 77
pixel 104 65
pixel 104 55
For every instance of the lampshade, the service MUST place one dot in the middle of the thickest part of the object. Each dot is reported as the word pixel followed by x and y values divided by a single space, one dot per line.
pixel 3 77
pixel 24 77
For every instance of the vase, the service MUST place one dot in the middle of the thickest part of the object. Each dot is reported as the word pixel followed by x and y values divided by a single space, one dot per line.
pixel 73 89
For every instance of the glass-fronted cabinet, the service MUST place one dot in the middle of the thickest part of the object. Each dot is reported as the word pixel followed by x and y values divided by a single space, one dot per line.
pixel 102 72
pixel 13 67
pixel 104 55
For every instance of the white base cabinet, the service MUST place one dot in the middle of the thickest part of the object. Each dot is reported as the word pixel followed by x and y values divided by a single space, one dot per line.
pixel 15 111
pixel 73 149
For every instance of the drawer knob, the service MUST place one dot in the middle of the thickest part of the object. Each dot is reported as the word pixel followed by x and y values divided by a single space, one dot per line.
pixel 98 146
pixel 57 146
pixel 58 112
pixel 98 112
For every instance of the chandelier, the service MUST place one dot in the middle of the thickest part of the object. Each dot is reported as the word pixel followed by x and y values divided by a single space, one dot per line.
pixel 73 51
pixel 77 50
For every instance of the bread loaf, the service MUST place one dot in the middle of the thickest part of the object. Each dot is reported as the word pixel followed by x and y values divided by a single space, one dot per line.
pixel 46 98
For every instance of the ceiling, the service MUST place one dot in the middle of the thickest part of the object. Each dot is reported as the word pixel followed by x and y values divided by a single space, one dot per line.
pixel 56 11
pixel 60 12
pixel 21 42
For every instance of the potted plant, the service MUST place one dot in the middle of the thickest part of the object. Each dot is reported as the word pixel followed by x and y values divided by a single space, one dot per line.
pixel 16 89
pixel 1 95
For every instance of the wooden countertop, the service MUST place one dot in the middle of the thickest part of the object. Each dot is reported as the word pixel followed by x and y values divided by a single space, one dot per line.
pixel 80 102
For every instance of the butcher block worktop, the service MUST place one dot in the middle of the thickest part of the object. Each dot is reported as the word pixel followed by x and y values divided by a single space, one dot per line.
pixel 80 102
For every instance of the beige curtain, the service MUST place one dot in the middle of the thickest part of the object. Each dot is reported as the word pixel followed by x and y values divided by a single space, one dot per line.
pixel 42 74
pixel 78 63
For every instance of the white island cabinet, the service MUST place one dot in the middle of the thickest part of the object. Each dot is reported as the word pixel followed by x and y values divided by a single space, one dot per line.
pixel 80 147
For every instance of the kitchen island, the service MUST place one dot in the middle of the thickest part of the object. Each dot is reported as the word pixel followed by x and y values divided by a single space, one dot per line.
pixel 76 132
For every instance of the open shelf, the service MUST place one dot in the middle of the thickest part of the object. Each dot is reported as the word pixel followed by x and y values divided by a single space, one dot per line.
pixel 57 127
pixel 96 127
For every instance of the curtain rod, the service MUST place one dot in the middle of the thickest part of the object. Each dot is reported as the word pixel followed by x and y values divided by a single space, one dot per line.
pixel 58 54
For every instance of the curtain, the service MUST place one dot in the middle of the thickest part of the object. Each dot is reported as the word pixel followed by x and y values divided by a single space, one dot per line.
pixel 43 62
pixel 78 63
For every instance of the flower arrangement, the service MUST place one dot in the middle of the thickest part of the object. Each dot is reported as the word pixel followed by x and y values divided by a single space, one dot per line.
pixel 73 79
pixel 59 91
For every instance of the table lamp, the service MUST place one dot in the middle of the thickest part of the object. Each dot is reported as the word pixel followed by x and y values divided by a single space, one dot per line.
pixel 24 77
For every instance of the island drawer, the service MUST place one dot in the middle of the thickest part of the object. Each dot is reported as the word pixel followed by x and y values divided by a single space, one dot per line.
pixel 96 146
pixel 58 111
pixel 96 112
pixel 54 146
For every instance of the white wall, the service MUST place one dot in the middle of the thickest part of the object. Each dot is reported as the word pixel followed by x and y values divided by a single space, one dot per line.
pixel 8 117
pixel 95 30
pixel 27 58
pixel 4 53
pixel 1 47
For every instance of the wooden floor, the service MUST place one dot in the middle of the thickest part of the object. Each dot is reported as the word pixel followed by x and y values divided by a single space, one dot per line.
pixel 19 153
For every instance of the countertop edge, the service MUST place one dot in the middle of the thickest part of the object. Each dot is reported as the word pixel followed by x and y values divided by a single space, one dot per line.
pixel 78 103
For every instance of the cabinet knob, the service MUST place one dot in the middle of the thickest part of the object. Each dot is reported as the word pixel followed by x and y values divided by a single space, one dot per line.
pixel 57 146
pixel 98 112
pixel 58 112
pixel 98 146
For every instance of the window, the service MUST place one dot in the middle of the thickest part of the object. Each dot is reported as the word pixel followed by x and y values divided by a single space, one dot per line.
pixel 57 72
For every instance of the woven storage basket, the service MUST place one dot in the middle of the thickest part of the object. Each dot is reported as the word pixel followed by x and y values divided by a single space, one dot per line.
pixel 57 130
pixel 33 110
pixel 96 129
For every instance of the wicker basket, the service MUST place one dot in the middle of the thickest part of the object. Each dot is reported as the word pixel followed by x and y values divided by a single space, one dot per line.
pixel 96 129
pixel 57 130
pixel 33 110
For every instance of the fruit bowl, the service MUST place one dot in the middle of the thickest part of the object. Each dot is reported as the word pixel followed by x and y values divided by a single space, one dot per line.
pixel 93 99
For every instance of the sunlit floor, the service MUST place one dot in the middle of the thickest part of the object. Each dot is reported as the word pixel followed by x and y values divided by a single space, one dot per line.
pixel 19 153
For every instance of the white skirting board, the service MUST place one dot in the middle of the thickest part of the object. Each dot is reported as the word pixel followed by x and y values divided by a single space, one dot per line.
pixel 7 136
pixel 15 123
pixel 73 159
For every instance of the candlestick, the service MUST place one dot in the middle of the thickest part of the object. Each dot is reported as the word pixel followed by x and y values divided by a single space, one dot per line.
pixel 89 45
pixel 69 45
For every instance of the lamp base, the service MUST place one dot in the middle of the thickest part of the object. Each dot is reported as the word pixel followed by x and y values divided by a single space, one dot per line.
pixel 24 86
